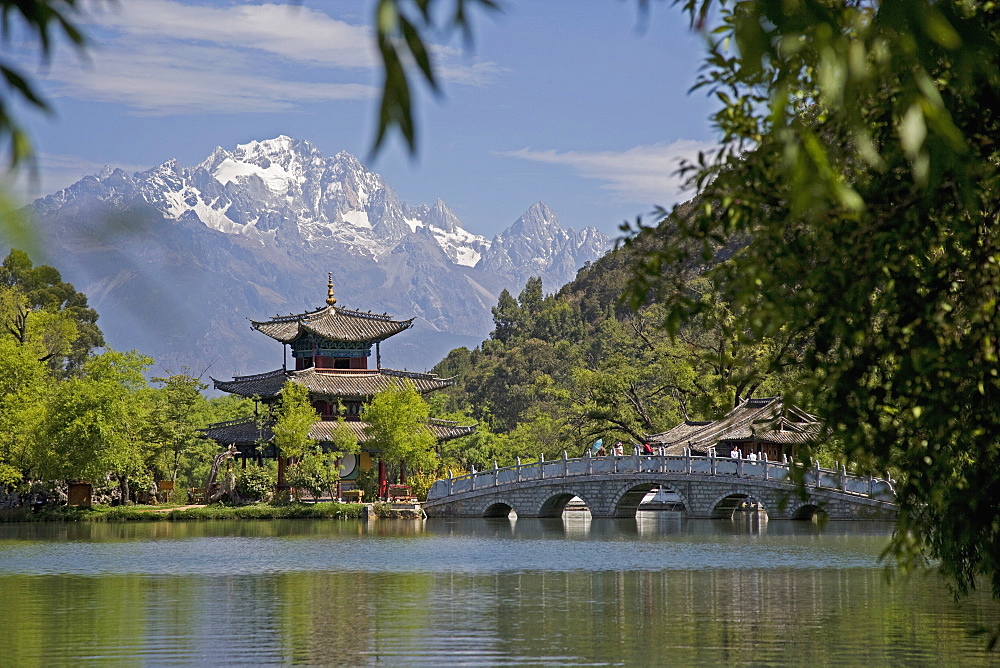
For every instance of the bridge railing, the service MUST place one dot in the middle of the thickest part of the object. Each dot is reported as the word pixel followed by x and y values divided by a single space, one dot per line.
pixel 816 477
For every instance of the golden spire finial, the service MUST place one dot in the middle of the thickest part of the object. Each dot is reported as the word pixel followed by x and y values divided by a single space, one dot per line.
pixel 330 299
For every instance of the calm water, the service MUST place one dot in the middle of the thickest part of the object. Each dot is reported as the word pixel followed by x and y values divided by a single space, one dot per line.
pixel 656 590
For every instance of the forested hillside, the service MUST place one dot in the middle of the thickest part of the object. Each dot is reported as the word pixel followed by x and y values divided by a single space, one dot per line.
pixel 562 370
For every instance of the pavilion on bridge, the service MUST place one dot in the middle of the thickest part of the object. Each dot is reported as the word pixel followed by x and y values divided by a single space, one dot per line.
pixel 331 347
pixel 767 426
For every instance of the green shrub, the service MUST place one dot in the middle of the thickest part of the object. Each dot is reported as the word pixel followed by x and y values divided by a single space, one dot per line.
pixel 256 483
pixel 420 484
pixel 267 511
pixel 316 472
pixel 259 511
pixel 382 509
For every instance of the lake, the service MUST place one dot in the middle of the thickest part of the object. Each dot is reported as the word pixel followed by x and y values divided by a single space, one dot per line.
pixel 654 590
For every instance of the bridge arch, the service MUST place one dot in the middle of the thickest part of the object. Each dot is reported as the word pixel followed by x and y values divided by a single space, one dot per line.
pixel 808 510
pixel 727 504
pixel 626 501
pixel 554 505
pixel 498 509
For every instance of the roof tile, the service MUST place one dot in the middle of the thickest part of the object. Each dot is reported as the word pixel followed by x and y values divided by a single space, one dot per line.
pixel 333 323
pixel 360 383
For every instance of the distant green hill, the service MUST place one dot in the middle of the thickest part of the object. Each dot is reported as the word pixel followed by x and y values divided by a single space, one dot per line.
pixel 562 370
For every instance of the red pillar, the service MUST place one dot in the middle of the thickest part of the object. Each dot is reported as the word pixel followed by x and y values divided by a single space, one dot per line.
pixel 281 472
pixel 383 482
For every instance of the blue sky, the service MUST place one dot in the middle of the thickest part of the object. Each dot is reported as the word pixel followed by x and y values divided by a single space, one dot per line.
pixel 582 104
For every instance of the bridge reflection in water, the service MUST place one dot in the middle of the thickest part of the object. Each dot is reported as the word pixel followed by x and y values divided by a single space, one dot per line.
pixel 708 487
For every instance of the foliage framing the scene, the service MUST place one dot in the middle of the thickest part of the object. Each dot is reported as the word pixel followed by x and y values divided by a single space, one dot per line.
pixel 859 165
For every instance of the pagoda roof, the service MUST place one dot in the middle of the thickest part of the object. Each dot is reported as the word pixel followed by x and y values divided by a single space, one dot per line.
pixel 329 382
pixel 333 323
pixel 249 431
pixel 764 420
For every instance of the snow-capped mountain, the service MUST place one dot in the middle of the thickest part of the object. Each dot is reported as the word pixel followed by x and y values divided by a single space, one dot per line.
pixel 537 245
pixel 253 230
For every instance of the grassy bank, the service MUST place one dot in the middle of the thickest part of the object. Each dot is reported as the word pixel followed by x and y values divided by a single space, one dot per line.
pixel 260 511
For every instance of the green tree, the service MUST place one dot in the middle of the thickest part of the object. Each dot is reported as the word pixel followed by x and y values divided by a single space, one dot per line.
pixel 506 317
pixel 318 471
pixel 343 440
pixel 397 428
pixel 36 304
pixel 98 426
pixel 180 414
pixel 25 382
pixel 732 361
pixel 294 418
pixel 195 460
pixel 524 374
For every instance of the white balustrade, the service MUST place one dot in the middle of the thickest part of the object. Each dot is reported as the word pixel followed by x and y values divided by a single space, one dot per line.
pixel 566 467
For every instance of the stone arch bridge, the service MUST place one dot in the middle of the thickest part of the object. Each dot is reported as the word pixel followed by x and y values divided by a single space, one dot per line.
pixel 709 487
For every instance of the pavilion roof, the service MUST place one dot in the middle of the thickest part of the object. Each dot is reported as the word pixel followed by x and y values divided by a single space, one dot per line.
pixel 332 323
pixel 248 430
pixel 764 420
pixel 681 432
pixel 361 383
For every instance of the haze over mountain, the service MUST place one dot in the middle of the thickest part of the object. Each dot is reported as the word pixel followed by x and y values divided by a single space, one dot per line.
pixel 176 258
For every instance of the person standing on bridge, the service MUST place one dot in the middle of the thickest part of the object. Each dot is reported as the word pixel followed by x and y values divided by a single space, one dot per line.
pixel 647 449
pixel 734 453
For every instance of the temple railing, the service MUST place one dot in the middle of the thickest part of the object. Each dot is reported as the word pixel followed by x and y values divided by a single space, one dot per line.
pixel 723 467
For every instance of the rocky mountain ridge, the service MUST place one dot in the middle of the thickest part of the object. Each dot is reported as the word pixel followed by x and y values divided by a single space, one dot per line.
pixel 177 257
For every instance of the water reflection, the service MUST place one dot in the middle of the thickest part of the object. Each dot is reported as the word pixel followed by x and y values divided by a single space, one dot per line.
pixel 572 524
pixel 755 616
pixel 651 589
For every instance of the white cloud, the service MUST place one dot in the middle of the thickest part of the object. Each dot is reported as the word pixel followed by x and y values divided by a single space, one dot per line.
pixel 646 174
pixel 166 57
pixel 163 80
pixel 292 31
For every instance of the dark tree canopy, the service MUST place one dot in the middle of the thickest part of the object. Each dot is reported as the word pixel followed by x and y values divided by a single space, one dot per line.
pixel 860 164
pixel 860 175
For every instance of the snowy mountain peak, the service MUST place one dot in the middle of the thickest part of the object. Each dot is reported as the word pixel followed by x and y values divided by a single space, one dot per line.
pixel 278 163
pixel 537 245
pixel 246 231
pixel 348 162
pixel 539 218
pixel 284 193
pixel 442 218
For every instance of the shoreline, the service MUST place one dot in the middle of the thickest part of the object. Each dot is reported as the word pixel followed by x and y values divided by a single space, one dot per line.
pixel 258 511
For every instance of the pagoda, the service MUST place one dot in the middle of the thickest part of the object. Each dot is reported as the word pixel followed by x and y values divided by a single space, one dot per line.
pixel 331 347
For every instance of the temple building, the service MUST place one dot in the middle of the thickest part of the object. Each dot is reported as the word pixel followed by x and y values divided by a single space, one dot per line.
pixel 766 426
pixel 332 350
